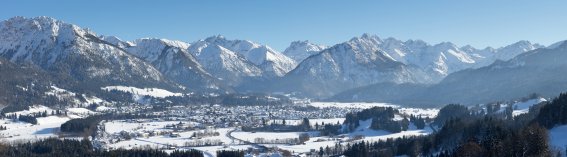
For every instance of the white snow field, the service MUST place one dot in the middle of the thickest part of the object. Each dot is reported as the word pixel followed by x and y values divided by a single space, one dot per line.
pixel 524 107
pixel 315 142
pixel 45 127
pixel 120 125
pixel 65 94
pixel 250 136
pixel 427 112
pixel 139 93
pixel 312 122
pixel 324 141
pixel 21 131
pixel 161 141
pixel 378 135
pixel 362 105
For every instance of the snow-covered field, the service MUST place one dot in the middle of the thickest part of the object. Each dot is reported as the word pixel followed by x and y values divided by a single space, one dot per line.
pixel 160 141
pixel 32 109
pixel 312 122
pixel 313 143
pixel 71 112
pixel 323 141
pixel 68 95
pixel 45 127
pixel 120 125
pixel 428 112
pixel 153 92
pixel 21 131
pixel 81 112
pixel 362 105
pixel 524 107
pixel 249 136
pixel 377 135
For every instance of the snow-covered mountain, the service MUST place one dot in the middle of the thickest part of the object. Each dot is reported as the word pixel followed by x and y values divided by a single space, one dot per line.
pixel 443 58
pixel 219 63
pixel 174 61
pixel 299 50
pixel 67 49
pixel 272 62
pixel 540 71
pixel 116 41
pixel 239 61
pixel 228 66
pixel 347 65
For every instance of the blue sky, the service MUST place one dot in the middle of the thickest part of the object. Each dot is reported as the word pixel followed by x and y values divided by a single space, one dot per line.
pixel 479 23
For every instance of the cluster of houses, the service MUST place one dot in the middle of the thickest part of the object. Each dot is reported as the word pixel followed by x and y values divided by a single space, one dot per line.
pixel 250 116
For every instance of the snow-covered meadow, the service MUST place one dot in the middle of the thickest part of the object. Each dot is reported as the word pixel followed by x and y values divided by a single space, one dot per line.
pixel 423 112
pixel 524 107
pixel 21 131
pixel 46 126
pixel 140 92
pixel 361 105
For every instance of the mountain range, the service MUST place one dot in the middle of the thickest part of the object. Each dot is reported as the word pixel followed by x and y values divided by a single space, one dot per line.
pixel 540 71
pixel 369 60
pixel 365 68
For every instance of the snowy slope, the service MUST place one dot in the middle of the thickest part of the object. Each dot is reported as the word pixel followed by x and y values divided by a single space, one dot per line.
pixel 216 62
pixel 138 94
pixel 116 41
pixel 299 50
pixel 422 64
pixel 538 71
pixel 382 135
pixel 443 58
pixel 64 48
pixel 228 66
pixel 352 64
pixel 153 92
pixel 272 62
pixel 174 61
pixel 524 107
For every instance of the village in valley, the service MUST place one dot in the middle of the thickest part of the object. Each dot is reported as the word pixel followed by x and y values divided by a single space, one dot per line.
pixel 299 127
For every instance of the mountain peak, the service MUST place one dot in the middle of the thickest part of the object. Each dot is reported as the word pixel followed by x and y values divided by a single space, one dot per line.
pixel 47 42
pixel 215 38
pixel 445 45
pixel 367 37
pixel 300 42
pixel 116 41
pixel 42 19
pixel 468 48
pixel 299 50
